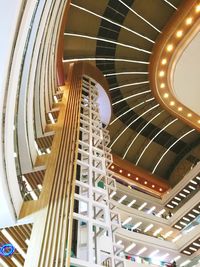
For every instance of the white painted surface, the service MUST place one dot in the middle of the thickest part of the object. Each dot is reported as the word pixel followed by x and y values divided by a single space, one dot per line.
pixel 186 84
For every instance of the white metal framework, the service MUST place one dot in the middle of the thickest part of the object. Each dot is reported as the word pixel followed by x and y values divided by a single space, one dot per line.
pixel 94 220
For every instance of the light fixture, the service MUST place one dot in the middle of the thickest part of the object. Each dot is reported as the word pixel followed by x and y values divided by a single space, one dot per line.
pixel 183 223
pixel 193 182
pixel 176 238
pixel 120 171
pixel 127 220
pixel 160 189
pixel 136 178
pixel 148 228
pixel 177 198
pixel 160 212
pixel 153 186
pixel 166 95
pixel 168 234
pixel 112 194
pixel 151 209
pixel 131 203
pixel 198 121
pixel 112 167
pixel 189 115
pixel 197 8
pixel 164 256
pixel 141 251
pixel 154 253
pixel 157 231
pixel 128 174
pixel 172 103
pixel 181 194
pixel 191 215
pixel 119 242
pixel 192 187
pixel 162 73
pixel 179 33
pixel 170 206
pixel 195 211
pixel 191 248
pixel 122 199
pixel 174 202
pixel 169 47
pixel 196 244
pixel 186 252
pixel 186 219
pixel 136 225
pixel 186 191
pixel 178 227
pixel 180 108
pixel 162 85
pixel 145 182
pixel 164 61
pixel 176 258
pixel 130 247
pixel 188 21
pixel 142 206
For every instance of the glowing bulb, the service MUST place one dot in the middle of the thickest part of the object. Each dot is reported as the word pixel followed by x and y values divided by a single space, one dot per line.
pixel 198 8
pixel 180 108
pixel 137 178
pixel 161 73
pixel 162 85
pixel 188 21
pixel 160 189
pixel 128 174
pixel 198 121
pixel 153 185
pixel 179 33
pixel 112 167
pixel 172 103
pixel 189 115
pixel 120 171
pixel 166 95
pixel 164 61
pixel 169 47
pixel 145 182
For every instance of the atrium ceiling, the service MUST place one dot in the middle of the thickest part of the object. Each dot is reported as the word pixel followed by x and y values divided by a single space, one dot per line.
pixel 118 36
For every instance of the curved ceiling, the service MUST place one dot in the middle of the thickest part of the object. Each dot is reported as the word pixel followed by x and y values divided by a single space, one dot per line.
pixel 118 36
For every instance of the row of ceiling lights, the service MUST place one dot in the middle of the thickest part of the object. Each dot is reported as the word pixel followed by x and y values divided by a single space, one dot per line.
pixel 140 180
pixel 192 186
pixel 162 72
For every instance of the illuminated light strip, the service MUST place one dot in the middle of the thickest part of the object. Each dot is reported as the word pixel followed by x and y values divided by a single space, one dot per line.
pixel 171 4
pixel 105 59
pixel 128 97
pixel 107 41
pixel 153 139
pixel 139 16
pixel 132 123
pixel 124 113
pixel 140 132
pixel 176 238
pixel 157 231
pixel 125 73
pixel 117 24
pixel 182 136
pixel 127 85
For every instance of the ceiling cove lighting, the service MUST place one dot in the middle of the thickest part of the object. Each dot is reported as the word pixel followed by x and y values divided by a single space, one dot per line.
pixel 186 252
pixel 157 231
pixel 186 219
pixel 141 251
pixel 178 198
pixel 196 244
pixel 176 238
pixel 170 4
pixel 186 191
pixel 196 211
pixel 130 247
pixel 112 22
pixel 142 206
pixel 192 187
pixel 178 227
pixel 193 182
pixel 126 73
pixel 140 132
pixel 128 85
pixel 106 41
pixel 193 249
pixel 170 206
pixel 127 220
pixel 122 199
pixel 198 178
pixel 151 209
pixel 148 228
pixel 131 203
pixel 191 215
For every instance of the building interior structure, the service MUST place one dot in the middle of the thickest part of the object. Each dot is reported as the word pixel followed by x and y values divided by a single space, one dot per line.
pixel 100 144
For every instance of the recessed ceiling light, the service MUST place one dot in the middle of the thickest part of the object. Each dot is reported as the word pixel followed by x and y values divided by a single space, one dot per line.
pixel 179 33
pixel 145 182
pixel 122 199
pixel 142 206
pixel 128 174
pixel 197 8
pixel 180 108
pixel 112 167
pixel 137 178
pixel 169 47
pixel 188 21
pixel 153 185
pixel 130 247
pixel 160 189
pixel 120 171
pixel 172 103
pixel 166 95
pixel 189 115
pixel 127 220
pixel 162 73
pixel 162 85
pixel 164 61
